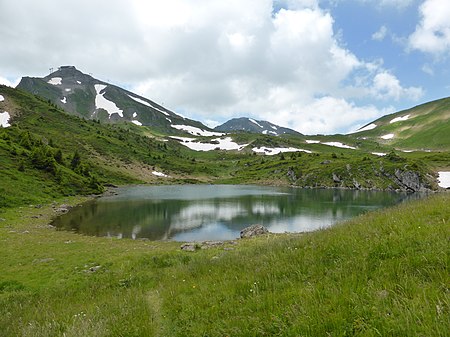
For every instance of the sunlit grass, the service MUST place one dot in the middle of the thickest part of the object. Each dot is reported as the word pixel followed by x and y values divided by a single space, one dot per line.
pixel 381 274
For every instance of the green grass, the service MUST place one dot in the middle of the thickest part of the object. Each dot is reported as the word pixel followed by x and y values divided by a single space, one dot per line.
pixel 382 274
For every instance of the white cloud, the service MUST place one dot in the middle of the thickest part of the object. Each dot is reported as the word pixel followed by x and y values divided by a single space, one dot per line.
pixel 210 59
pixel 387 86
pixel 380 34
pixel 9 82
pixel 427 69
pixel 327 115
pixel 432 34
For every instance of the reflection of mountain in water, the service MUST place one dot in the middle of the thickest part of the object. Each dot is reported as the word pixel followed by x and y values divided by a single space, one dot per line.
pixel 283 210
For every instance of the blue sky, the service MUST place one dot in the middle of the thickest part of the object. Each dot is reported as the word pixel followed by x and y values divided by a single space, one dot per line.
pixel 318 66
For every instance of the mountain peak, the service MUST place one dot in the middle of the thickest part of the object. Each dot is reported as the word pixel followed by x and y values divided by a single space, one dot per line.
pixel 69 74
pixel 85 96
pixel 251 125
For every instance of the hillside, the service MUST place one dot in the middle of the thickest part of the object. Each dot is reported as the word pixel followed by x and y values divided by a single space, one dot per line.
pixel 421 128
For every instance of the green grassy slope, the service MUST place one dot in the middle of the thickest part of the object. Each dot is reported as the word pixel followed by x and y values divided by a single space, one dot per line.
pixel 382 274
pixel 428 127
pixel 37 153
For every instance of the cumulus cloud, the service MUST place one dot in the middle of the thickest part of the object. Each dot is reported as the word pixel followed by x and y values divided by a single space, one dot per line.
pixel 380 34
pixel 387 86
pixel 432 34
pixel 211 60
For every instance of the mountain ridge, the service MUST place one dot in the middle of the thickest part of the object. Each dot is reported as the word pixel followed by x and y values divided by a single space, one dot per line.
pixel 87 97
pixel 246 124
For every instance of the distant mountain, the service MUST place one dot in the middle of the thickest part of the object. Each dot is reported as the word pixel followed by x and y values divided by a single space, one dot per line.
pixel 426 126
pixel 90 98
pixel 254 126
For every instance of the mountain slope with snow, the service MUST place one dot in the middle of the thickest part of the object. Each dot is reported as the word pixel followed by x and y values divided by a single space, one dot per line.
pixel 253 126
pixel 90 98
pixel 424 127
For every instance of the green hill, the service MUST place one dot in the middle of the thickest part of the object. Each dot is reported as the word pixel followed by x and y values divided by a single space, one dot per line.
pixel 424 127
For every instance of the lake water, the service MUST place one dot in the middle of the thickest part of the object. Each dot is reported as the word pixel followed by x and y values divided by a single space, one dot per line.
pixel 218 212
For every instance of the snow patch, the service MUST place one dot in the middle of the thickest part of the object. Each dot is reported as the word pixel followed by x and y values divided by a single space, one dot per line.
pixel 276 150
pixel 273 127
pixel 55 81
pixel 339 144
pixel 136 122
pixel 160 174
pixel 310 141
pixel 265 132
pixel 102 103
pixel 134 115
pixel 444 179
pixel 367 127
pixel 4 119
pixel 78 82
pixel 399 119
pixel 217 143
pixel 196 131
pixel 64 100
pixel 381 154
pixel 255 122
pixel 2 98
pixel 67 90
pixel 388 136
pixel 148 104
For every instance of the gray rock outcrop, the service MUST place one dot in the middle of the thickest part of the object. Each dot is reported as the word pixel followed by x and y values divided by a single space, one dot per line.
pixel 253 230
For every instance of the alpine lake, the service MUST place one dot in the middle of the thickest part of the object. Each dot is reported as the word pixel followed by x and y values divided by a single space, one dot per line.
pixel 218 212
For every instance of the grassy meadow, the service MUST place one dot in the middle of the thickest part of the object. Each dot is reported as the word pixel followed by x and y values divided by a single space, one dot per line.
pixel 384 273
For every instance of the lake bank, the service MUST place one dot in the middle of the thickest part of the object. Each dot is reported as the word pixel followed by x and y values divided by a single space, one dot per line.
pixel 56 282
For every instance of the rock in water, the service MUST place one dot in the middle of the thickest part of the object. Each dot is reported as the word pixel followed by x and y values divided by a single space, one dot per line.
pixel 253 230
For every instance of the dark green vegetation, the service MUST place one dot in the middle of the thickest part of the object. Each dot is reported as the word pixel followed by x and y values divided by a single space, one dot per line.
pixel 382 274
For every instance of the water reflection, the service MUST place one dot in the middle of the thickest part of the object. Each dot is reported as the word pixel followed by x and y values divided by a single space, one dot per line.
pixel 217 212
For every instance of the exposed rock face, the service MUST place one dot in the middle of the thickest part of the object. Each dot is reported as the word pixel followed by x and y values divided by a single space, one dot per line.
pixel 411 181
pixel 253 230
pixel 291 174
pixel 336 178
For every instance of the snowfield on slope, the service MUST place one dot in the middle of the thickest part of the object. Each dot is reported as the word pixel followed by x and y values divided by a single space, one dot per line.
pixel 276 150
pixel 160 174
pixel 339 144
pixel 55 81
pixel 444 179
pixel 4 119
pixel 388 136
pixel 400 119
pixel 102 103
pixel 217 143
pixel 2 98
pixel 196 131
pixel 365 128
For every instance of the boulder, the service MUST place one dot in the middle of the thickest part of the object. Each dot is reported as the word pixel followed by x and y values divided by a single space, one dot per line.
pixel 253 230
